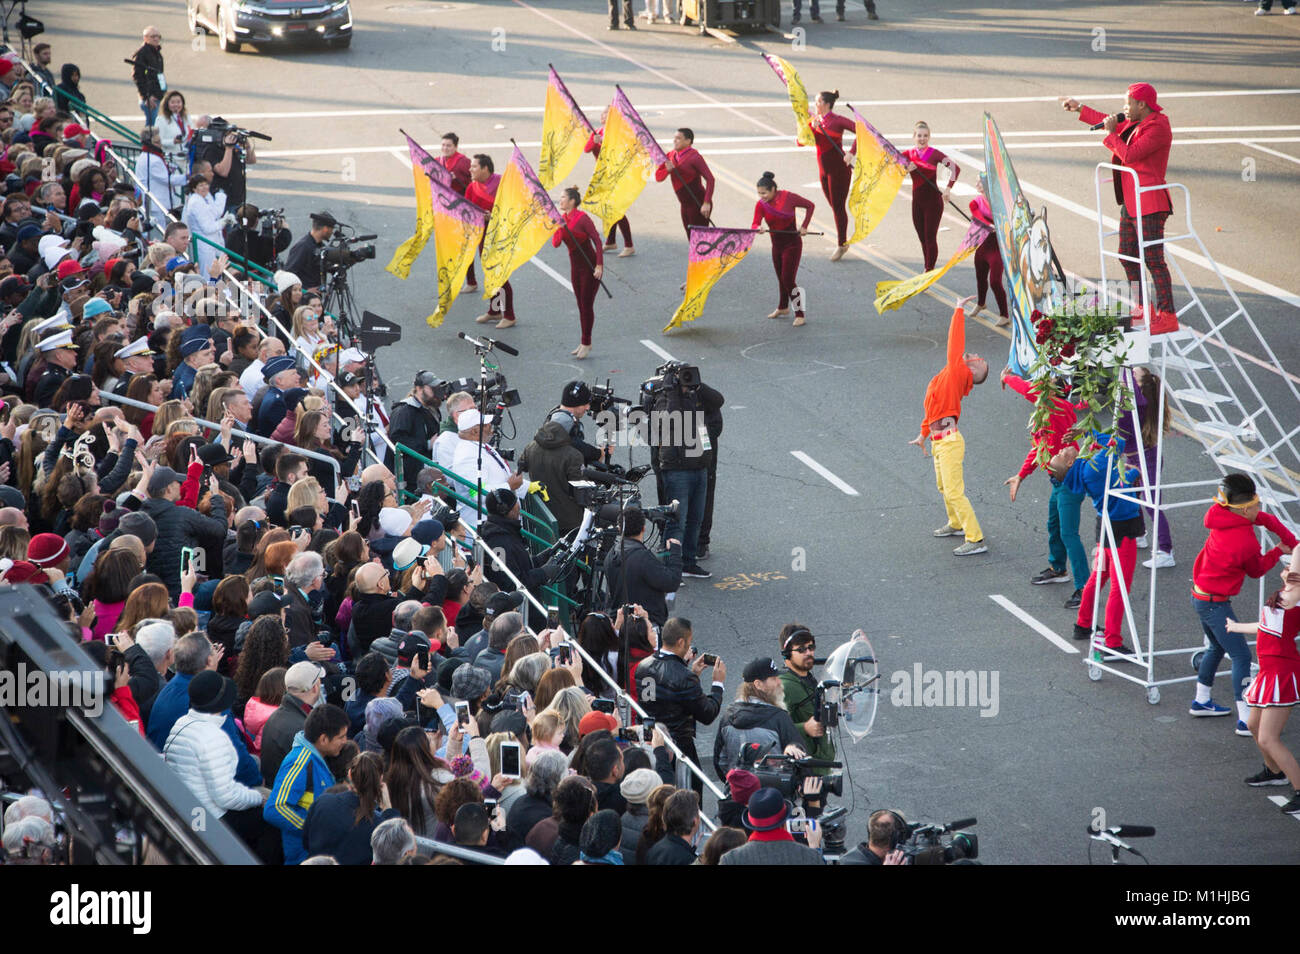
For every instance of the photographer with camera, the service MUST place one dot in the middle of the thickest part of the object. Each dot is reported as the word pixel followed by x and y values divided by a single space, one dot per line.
pixel 304 257
pixel 679 404
pixel 636 575
pixel 798 648
pixel 575 401
pixel 415 420
pixel 258 236
pixel 669 690
pixel 230 156
pixel 502 533
pixel 757 717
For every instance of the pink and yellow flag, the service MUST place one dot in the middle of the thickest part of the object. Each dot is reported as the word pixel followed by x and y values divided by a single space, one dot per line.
pixel 565 131
pixel 425 169
pixel 713 252
pixel 890 295
pixel 877 175
pixel 798 97
pixel 457 227
pixel 628 157
pixel 523 220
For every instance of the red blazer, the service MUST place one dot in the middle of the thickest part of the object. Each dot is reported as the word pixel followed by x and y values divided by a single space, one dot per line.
pixel 1143 147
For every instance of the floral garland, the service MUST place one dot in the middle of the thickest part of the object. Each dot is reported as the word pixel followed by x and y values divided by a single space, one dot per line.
pixel 1080 351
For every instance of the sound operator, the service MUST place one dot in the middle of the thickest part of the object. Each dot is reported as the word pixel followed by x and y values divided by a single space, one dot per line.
pixel 798 647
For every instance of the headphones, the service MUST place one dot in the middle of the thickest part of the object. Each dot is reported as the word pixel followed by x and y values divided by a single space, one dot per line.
pixel 900 827
pixel 500 502
pixel 786 651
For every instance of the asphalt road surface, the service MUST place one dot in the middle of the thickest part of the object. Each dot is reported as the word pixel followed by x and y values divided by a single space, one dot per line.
pixel 1043 755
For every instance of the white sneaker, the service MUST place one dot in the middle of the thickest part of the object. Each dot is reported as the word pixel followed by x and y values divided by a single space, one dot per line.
pixel 1161 561
pixel 1260 13
pixel 1143 542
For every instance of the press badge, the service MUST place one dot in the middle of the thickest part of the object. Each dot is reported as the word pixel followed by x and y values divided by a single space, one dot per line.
pixel 705 443
pixel 162 82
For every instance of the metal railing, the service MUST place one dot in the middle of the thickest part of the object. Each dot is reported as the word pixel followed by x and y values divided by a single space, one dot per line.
pixel 432 847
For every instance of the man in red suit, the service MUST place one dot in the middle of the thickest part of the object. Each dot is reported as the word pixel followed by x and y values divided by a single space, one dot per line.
pixel 1140 139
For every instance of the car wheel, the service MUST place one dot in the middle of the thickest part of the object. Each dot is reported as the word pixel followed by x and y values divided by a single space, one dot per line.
pixel 226 20
pixel 192 17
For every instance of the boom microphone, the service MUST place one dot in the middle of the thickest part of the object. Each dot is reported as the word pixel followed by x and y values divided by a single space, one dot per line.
pixel 502 346
pixel 1119 118
pixel 603 477
pixel 364 238
pixel 963 823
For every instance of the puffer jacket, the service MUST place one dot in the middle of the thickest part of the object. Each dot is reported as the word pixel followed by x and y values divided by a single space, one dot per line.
pixel 552 459
pixel 203 757
pixel 634 821
pixel 180 527
pixel 678 700
pixel 256 712
pixel 744 723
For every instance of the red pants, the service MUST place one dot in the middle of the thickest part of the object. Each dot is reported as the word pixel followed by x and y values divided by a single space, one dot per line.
pixel 835 178
pixel 927 213
pixel 988 271
pixel 691 197
pixel 585 287
pixel 492 302
pixel 620 226
pixel 469 275
pixel 1115 600
pixel 786 252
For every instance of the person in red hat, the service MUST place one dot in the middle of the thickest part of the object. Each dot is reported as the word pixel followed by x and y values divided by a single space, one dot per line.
pixel 49 551
pixel 1139 138
pixel 770 841
pixel 23 572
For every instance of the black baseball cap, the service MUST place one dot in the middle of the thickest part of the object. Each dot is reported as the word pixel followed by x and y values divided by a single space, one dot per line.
pixel 500 603
pixel 760 669
pixel 323 218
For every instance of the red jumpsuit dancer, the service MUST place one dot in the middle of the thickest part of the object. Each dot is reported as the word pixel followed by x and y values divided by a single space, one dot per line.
pixel 927 199
pixel 988 261
pixel 482 191
pixel 833 169
pixel 457 163
pixel 777 209
pixel 622 225
pixel 583 240
pixel 692 180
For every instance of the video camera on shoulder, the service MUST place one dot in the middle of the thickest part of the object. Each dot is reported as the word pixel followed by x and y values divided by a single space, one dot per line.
pixel 786 773
pixel 928 844
pixel 498 393
pixel 668 377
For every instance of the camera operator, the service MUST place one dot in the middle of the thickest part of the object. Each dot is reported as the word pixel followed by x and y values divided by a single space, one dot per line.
pixel 553 459
pixel 798 647
pixel 475 435
pixel 304 257
pixel 230 158
pixel 259 241
pixel 502 533
pixel 670 692
pixel 445 444
pixel 575 401
pixel 635 575
pixel 680 405
pixel 757 717
pixel 415 420
pixel 885 832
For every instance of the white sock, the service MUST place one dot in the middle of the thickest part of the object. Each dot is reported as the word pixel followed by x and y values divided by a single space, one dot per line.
pixel 1243 710
pixel 1202 693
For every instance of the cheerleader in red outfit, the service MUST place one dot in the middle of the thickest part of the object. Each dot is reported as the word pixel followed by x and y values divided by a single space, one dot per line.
pixel 925 164
pixel 1276 687
pixel 692 180
pixel 834 165
pixel 777 208
pixel 482 191
pixel 583 240
pixel 622 225
pixel 988 260
pixel 457 163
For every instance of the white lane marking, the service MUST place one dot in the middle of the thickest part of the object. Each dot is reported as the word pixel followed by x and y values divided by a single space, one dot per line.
pixel 1279 801
pixel 765 104
pixel 839 484
pixel 657 350
pixel 1033 624
pixel 1272 152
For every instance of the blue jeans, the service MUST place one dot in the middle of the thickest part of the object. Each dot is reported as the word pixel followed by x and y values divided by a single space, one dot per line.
pixel 690 489
pixel 1063 533
pixel 150 112
pixel 1213 617
pixel 815 8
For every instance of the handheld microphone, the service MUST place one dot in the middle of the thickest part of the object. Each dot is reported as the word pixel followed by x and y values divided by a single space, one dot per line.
pixel 1125 831
pixel 1119 118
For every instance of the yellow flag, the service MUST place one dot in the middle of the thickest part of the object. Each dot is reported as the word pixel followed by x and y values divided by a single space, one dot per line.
pixel 628 157
pixel 713 253
pixel 877 175
pixel 457 227
pixel 424 167
pixel 890 295
pixel 564 134
pixel 798 97
pixel 523 220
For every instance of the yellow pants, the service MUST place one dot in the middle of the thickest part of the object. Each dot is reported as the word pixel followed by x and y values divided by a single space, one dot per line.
pixel 948 455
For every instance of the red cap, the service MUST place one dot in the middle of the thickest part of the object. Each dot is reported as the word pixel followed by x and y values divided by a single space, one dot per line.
pixel 595 721
pixel 6 66
pixel 24 572
pixel 1145 93
pixel 47 549
pixel 72 129
pixel 69 266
